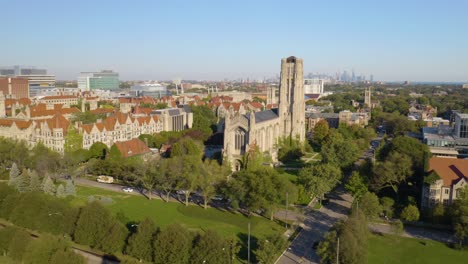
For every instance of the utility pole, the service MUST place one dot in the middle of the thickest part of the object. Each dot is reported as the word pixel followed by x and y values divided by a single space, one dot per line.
pixel 338 251
pixel 286 220
pixel 248 246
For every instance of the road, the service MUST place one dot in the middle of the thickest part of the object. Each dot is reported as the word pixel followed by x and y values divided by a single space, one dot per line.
pixel 316 224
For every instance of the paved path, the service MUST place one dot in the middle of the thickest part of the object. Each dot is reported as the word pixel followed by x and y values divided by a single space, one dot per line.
pixel 316 224
pixel 415 232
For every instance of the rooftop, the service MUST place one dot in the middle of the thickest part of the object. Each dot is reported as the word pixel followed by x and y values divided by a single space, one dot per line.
pixel 450 170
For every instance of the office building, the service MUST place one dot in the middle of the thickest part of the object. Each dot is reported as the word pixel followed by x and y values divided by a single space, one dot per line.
pixel 103 80
pixel 38 79
pixel 150 89
pixel 313 86
pixel 14 88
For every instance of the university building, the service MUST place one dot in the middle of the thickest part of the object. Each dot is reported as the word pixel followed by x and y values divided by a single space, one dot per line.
pixel 263 128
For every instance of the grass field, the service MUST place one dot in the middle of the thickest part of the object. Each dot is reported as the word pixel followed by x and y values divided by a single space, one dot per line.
pixel 389 249
pixel 193 217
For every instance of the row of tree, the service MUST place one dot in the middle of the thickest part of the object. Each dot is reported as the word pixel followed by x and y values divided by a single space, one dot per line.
pixel 95 226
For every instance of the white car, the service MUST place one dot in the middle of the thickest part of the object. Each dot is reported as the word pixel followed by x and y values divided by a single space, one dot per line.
pixel 128 189
pixel 182 192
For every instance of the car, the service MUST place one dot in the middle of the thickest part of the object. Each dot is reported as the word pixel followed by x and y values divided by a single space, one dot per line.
pixel 217 198
pixel 182 191
pixel 127 189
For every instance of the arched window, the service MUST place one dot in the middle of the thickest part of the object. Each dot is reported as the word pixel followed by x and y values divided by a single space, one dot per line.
pixel 240 139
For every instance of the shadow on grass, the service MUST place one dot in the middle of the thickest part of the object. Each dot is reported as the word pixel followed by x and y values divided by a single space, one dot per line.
pixel 243 252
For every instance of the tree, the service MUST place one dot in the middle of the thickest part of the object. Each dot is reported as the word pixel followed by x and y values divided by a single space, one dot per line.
pixel 210 247
pixel 61 191
pixel 98 150
pixel 24 182
pixel 204 119
pixel 173 245
pixel 73 140
pixel 190 172
pixel 460 212
pixel 410 213
pixel 187 147
pixel 150 179
pixel 35 182
pixel 335 150
pixel 69 255
pixel 356 185
pixel 390 173
pixel 14 176
pixel 319 179
pixel 268 248
pixel 321 130
pixel 18 245
pixel 387 206
pixel 212 174
pixel 70 188
pixel 397 227
pixel 97 228
pixel 48 186
pixel 369 205
pixel 438 213
pixel 352 235
pixel 140 244
pixel 168 179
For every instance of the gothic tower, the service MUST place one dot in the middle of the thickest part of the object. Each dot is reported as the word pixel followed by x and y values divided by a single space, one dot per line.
pixel 367 98
pixel 291 100
pixel 271 96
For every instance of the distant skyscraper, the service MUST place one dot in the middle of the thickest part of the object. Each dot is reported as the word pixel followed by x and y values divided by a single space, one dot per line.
pixel 103 80
pixel 313 86
pixel 371 78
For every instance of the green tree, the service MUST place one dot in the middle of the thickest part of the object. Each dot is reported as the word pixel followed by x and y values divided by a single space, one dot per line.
pixel 335 150
pixel 61 191
pixel 98 150
pixel 268 248
pixel 460 213
pixel 212 174
pixel 140 244
pixel 390 173
pixel 410 213
pixel 387 206
pixel 173 245
pixel 319 179
pixel 369 205
pixel 48 186
pixel 35 182
pixel 14 176
pixel 73 140
pixel 356 185
pixel 209 247
pixel 24 182
pixel 187 147
pixel 321 131
pixel 204 119
pixel 18 245
pixel 70 188
pixel 97 228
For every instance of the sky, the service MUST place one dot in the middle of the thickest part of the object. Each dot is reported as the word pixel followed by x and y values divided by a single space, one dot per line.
pixel 212 40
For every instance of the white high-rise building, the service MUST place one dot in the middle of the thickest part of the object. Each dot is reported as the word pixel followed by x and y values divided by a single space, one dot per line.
pixel 313 86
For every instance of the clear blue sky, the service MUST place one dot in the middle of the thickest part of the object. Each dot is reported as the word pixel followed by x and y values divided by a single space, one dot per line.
pixel 196 39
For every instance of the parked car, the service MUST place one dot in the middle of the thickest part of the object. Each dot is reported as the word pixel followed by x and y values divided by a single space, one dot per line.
pixel 182 192
pixel 105 179
pixel 128 189
pixel 217 198
pixel 315 245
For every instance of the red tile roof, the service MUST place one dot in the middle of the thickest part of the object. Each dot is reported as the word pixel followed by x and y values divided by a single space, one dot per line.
pixel 132 148
pixel 450 170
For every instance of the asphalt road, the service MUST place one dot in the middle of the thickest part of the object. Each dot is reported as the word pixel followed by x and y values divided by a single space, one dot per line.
pixel 316 224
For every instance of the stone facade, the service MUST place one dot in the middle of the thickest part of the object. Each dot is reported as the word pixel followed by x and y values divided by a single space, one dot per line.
pixel 264 128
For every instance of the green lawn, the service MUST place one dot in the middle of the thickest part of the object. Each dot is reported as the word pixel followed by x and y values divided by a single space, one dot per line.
pixel 193 217
pixel 389 249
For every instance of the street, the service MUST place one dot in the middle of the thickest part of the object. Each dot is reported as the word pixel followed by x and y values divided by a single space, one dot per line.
pixel 316 224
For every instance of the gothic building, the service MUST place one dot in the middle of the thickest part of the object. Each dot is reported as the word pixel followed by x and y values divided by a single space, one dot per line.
pixel 264 128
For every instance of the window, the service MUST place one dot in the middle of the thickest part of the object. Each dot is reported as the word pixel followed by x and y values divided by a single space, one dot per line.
pixel 446 191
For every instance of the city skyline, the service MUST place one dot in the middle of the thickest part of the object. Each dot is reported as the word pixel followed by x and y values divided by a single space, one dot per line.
pixel 397 41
